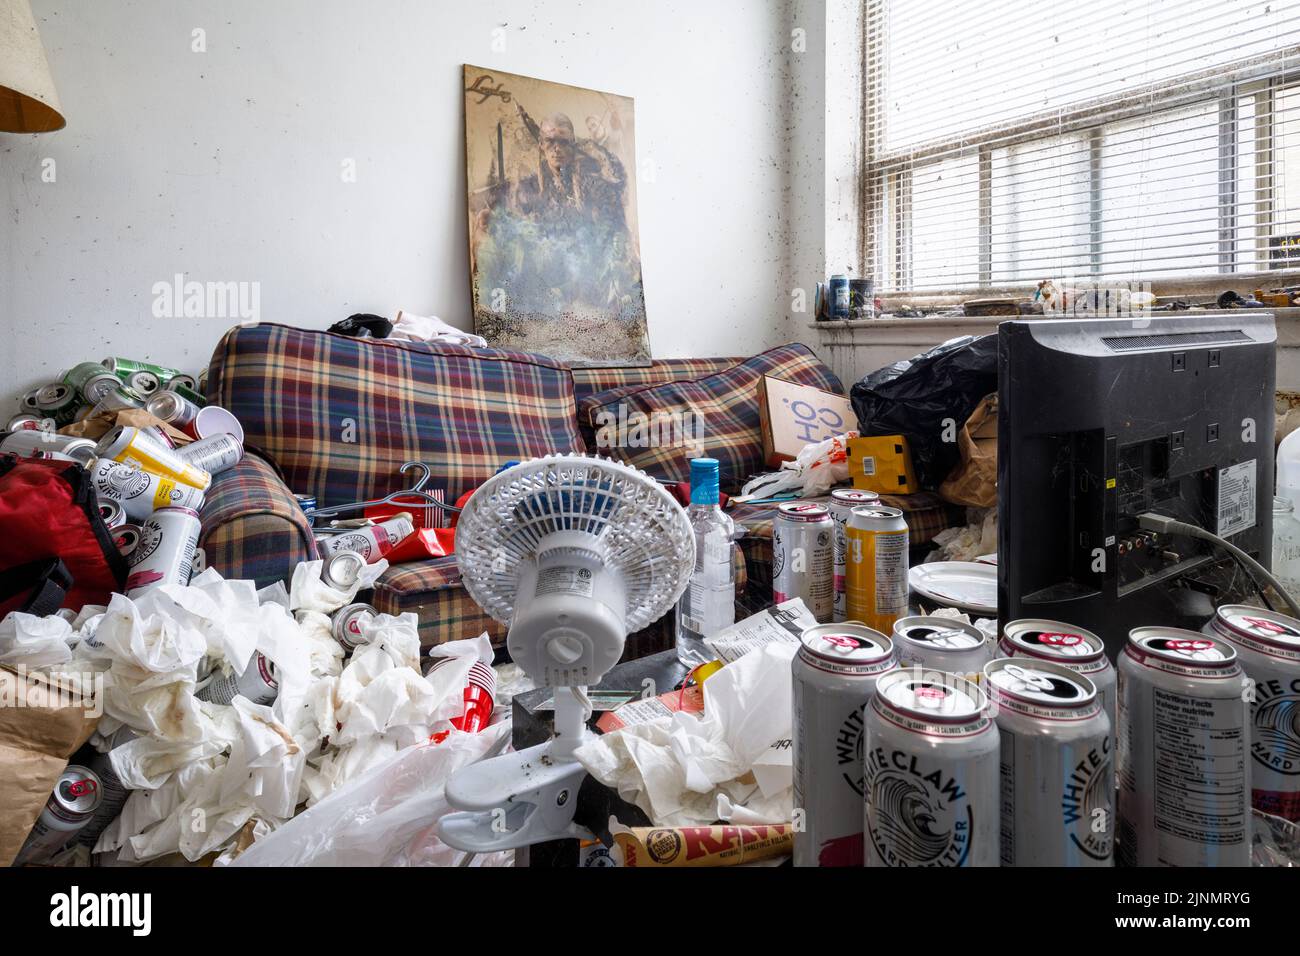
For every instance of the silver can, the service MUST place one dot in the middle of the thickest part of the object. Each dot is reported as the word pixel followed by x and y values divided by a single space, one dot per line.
pixel 144 382
pixel 1184 743
pixel 1268 647
pixel 347 625
pixel 942 644
pixel 1058 776
pixel 114 792
pixel 165 554
pixel 127 538
pixel 835 673
pixel 173 409
pixel 111 513
pixel 843 501
pixel 27 442
pixel 213 455
pixel 258 683
pixel 1081 651
pixel 27 422
pixel 140 492
pixel 343 570
pixel 931 778
pixel 75 798
pixel 803 557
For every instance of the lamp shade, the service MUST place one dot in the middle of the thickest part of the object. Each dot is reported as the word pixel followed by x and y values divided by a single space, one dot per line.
pixel 28 102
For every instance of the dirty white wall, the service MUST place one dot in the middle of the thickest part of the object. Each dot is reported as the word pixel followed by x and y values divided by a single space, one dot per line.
pixel 225 165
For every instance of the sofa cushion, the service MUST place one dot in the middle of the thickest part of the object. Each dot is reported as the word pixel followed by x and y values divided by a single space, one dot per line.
pixel 253 528
pixel 341 415
pixel 717 415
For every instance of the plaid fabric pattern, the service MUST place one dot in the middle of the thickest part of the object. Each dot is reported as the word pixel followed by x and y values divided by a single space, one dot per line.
pixel 339 415
pixel 433 592
pixel 589 381
pixel 721 410
pixel 253 528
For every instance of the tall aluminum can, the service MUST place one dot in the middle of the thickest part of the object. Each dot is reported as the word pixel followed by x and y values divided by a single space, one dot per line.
pixel 1184 744
pixel 843 501
pixel 835 673
pixel 28 443
pixel 373 542
pixel 213 455
pixel 347 623
pixel 931 779
pixel 259 683
pixel 1268 647
pixel 165 554
pixel 131 446
pixel 342 570
pixel 75 798
pixel 141 493
pixel 173 409
pixel 1058 775
pixel 875 545
pixel 803 557
pixel 942 644
pixel 91 381
pixel 1080 650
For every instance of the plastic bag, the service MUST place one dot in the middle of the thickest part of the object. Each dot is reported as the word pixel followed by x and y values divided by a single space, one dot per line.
pixel 387 817
pixel 818 468
pixel 927 398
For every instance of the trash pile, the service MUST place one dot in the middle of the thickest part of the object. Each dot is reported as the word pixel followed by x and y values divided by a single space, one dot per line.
pixel 228 710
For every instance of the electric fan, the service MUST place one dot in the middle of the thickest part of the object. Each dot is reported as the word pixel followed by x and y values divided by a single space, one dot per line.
pixel 573 553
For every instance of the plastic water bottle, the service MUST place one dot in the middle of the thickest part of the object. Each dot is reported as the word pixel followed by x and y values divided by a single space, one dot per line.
pixel 709 603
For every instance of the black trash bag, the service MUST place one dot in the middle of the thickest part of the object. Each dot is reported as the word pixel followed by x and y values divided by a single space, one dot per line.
pixel 916 397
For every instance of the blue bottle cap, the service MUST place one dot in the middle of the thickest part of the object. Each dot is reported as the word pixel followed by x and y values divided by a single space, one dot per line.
pixel 704 481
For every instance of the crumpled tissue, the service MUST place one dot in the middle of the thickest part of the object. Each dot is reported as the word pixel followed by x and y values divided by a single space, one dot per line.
pixel 35 642
pixel 676 768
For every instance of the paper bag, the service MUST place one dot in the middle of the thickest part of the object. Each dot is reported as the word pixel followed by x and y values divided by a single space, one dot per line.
pixel 37 737
pixel 974 482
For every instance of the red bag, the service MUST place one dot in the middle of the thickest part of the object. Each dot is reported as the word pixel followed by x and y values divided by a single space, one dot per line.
pixel 55 550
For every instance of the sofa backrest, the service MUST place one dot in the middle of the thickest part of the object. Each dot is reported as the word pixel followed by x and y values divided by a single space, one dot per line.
pixel 590 381
pixel 340 416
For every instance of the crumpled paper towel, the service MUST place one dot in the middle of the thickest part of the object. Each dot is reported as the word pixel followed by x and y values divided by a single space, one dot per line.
pixel 35 642
pixel 676 768
pixel 308 592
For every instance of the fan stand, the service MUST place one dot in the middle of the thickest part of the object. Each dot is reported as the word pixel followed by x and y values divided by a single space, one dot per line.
pixel 522 798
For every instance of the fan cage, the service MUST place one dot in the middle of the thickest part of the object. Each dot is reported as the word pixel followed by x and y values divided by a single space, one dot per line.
pixel 634 524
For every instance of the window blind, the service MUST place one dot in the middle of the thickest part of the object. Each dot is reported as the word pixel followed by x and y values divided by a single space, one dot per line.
pixel 1010 141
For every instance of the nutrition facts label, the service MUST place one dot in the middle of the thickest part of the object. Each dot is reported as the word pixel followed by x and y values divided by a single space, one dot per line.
pixel 891 573
pixel 1200 764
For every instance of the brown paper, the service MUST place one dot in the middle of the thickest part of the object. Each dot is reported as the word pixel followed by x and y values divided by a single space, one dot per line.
pixel 97 426
pixel 974 482
pixel 37 737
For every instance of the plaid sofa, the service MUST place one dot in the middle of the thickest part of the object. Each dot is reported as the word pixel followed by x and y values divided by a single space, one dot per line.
pixel 335 418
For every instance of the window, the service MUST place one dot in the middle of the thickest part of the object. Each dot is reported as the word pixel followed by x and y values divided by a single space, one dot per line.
pixel 1012 141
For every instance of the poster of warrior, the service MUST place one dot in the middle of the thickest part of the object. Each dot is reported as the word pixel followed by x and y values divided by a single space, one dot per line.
pixel 555 259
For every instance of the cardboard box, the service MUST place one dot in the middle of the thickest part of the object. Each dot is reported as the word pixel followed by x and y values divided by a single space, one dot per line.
pixel 882 464
pixel 794 416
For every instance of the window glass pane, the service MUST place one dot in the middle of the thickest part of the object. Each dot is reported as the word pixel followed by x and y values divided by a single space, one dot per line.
pixel 1040 209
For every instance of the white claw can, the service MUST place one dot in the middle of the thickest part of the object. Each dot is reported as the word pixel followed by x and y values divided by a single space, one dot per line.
pixel 1184 751
pixel 259 683
pixel 213 455
pixel 165 552
pixel 931 773
pixel 943 644
pixel 374 542
pixel 131 446
pixel 141 493
pixel 835 673
pixel 803 557
pixel 1058 776
pixel 875 555
pixel 1268 647
pixel 1080 650
pixel 75 798
pixel 843 501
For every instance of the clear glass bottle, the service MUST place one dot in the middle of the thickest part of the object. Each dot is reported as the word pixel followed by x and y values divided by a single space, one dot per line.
pixel 709 604
pixel 1286 545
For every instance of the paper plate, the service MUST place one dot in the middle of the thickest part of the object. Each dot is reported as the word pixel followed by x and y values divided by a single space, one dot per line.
pixel 965 585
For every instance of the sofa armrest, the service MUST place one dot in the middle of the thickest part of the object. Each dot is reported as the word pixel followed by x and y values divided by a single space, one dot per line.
pixel 253 527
